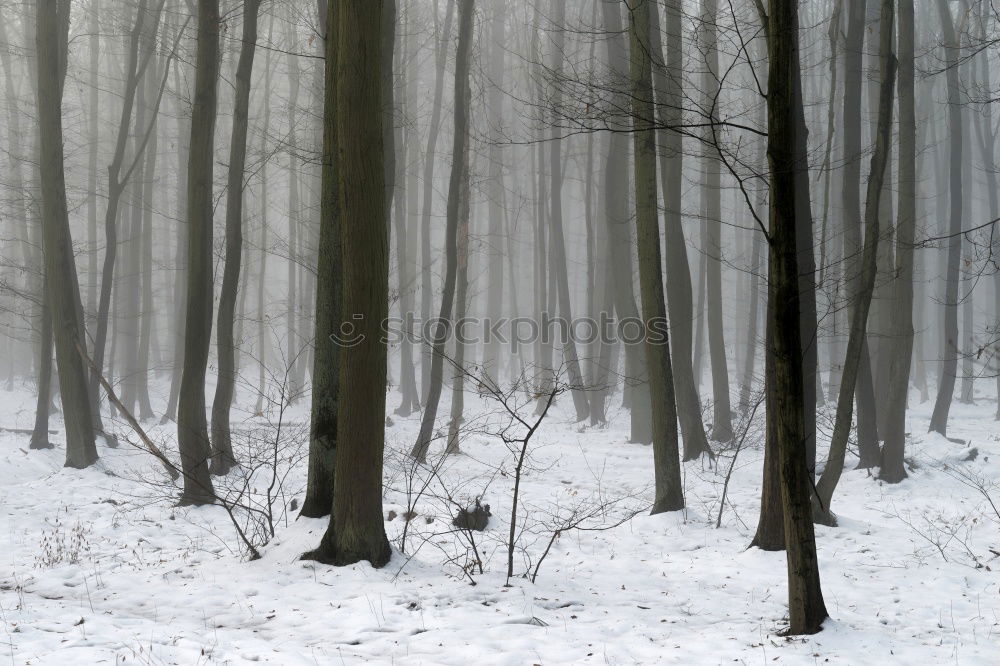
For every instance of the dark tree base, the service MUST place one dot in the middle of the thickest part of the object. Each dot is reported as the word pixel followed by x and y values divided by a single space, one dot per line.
pixel 326 554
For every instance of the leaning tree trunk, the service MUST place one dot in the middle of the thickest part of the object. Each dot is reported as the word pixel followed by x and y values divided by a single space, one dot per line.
pixel 862 298
pixel 949 368
pixel 62 286
pixel 891 467
pixel 357 528
pixel 192 426
pixel 666 465
pixel 806 610
pixel 459 146
pixel 222 446
pixel 851 194
pixel 426 288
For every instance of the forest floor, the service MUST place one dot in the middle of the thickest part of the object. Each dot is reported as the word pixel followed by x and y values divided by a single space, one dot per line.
pixel 98 566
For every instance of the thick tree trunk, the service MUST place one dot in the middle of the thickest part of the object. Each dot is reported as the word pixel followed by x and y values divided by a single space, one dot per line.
pixel 192 425
pixel 666 465
pixel 806 610
pixel 459 147
pixel 356 531
pixel 62 286
pixel 222 447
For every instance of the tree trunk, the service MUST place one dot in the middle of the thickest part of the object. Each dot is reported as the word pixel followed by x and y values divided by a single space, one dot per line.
pixel 617 218
pixel 891 467
pixel 356 531
pixel 806 610
pixel 666 465
pixel 668 84
pixel 222 447
pixel 192 426
pixel 405 261
pixel 427 201
pixel 949 368
pixel 329 295
pixel 459 147
pixel 722 426
pixel 861 300
pixel 494 296
pixel 853 71
pixel 556 236
pixel 62 286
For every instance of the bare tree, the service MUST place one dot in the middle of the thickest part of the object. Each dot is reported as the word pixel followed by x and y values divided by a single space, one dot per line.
pixel 192 425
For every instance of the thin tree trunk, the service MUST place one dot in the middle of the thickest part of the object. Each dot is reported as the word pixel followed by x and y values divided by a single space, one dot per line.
pixel 222 446
pixel 949 368
pixel 891 467
pixel 722 426
pixel 617 218
pixel 853 63
pixel 668 84
pixel 459 147
pixel 427 201
pixel 329 295
pixel 556 235
pixel 862 298
pixel 494 297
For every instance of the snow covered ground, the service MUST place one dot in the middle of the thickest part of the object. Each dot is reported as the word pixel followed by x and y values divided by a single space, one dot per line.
pixel 97 566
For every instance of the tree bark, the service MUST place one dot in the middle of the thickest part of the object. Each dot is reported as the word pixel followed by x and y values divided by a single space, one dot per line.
pixel 459 147
pixel 427 201
pixel 949 368
pixel 891 467
pixel 861 300
pixel 722 426
pixel 192 425
pixel 329 296
pixel 666 465
pixel 806 610
pixel 667 80
pixel 62 286
pixel 222 446
pixel 356 531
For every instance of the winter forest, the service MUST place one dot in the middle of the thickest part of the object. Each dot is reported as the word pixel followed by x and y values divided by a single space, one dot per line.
pixel 499 331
